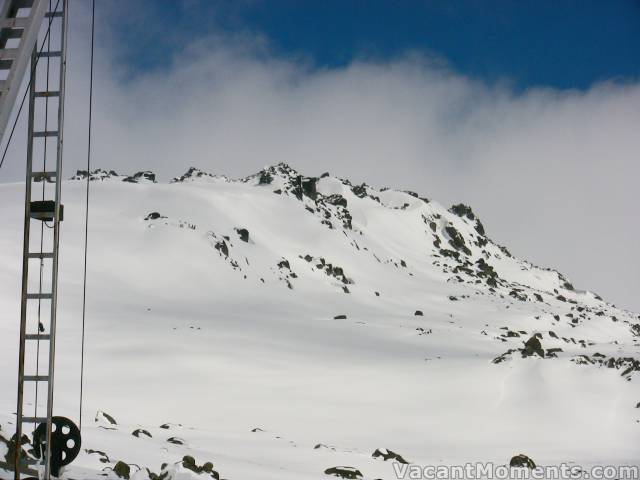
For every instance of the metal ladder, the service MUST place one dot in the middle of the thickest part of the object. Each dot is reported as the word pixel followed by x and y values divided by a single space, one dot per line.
pixel 44 145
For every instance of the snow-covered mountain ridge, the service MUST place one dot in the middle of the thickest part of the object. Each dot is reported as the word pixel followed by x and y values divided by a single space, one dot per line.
pixel 330 314
pixel 455 240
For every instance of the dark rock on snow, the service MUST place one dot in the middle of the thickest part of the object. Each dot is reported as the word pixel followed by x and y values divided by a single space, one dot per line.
pixel 122 470
pixel 533 347
pixel 189 463
pixel 140 431
pixel 154 216
pixel 243 233
pixel 344 472
pixel 106 416
pixel 135 178
pixel 522 460
pixel 388 455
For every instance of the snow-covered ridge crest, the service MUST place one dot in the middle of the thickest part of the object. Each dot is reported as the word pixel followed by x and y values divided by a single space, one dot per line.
pixel 99 174
pixel 457 237
pixel 196 175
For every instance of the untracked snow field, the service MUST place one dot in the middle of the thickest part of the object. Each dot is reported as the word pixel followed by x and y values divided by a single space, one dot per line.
pixel 281 325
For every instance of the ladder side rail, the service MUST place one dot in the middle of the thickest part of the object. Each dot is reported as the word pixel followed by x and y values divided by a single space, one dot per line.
pixel 56 229
pixel 25 267
pixel 4 9
pixel 8 8
pixel 19 65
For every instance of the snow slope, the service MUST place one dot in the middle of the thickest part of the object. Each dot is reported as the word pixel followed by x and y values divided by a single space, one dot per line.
pixel 319 313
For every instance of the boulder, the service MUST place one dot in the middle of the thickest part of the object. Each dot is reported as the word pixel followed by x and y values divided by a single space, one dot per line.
pixel 189 463
pixel 103 417
pixel 154 216
pixel 522 460
pixel 243 233
pixel 122 470
pixel 533 347
pixel 344 472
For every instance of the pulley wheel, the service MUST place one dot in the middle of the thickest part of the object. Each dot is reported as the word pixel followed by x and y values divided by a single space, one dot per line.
pixel 65 442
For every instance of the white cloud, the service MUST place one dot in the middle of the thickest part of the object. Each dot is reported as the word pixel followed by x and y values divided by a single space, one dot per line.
pixel 553 174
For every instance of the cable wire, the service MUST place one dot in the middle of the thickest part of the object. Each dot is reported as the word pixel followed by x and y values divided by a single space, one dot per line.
pixel 86 213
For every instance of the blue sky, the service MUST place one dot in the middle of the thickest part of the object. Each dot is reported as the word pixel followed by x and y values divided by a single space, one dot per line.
pixel 560 43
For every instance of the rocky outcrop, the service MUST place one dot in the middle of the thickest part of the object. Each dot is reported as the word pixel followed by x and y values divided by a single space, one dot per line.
pixel 105 418
pixel 141 177
pixel 95 175
pixel 195 174
pixel 386 454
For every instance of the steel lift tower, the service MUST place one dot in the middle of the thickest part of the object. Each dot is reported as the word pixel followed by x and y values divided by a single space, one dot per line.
pixel 55 440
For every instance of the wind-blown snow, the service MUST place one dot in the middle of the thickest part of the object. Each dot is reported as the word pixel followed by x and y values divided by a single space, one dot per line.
pixel 212 305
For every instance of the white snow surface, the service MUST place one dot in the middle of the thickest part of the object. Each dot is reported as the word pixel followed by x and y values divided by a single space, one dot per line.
pixel 190 326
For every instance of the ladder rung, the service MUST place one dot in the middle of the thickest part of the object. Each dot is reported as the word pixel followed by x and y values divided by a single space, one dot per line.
pixel 47 94
pixel 57 53
pixel 34 419
pixel 16 22
pixel 43 216
pixel 8 53
pixel 12 33
pixel 47 133
pixel 36 378
pixel 36 336
pixel 53 14
pixel 40 254
pixel 23 3
pixel 38 296
pixel 23 469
